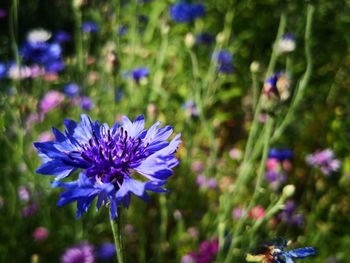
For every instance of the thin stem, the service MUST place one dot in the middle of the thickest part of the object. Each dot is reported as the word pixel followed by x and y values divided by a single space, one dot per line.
pixel 304 80
pixel 118 237
pixel 274 55
pixel 267 136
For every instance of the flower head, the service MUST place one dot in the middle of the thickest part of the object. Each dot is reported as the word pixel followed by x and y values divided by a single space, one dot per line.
pixel 51 100
pixel 224 61
pixel 324 160
pixel 62 36
pixel 83 253
pixel 184 12
pixel 275 253
pixel 89 27
pixel 207 252
pixel 72 89
pixel 106 251
pixel 107 158
pixel 286 44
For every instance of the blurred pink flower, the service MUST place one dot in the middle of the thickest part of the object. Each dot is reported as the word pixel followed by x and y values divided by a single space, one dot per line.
pixel 40 233
pixel 51 100
pixel 257 212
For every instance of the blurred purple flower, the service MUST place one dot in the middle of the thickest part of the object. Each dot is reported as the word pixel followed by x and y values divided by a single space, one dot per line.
pixel 29 210
pixel 83 253
pixel 237 213
pixel 3 70
pixel 51 100
pixel 207 251
pixel 324 160
pixel 3 13
pixel 61 36
pixel 185 12
pixel 86 103
pixel 224 61
pixel 139 73
pixel 72 89
pixel 23 193
pixel 106 251
pixel 204 38
pixel 89 27
pixel 191 108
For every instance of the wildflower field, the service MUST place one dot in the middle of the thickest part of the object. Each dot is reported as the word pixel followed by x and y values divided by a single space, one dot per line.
pixel 163 131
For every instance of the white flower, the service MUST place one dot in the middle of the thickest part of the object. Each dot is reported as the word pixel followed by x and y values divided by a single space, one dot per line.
pixel 38 35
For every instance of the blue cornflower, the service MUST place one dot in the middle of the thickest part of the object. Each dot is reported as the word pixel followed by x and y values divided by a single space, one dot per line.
pixel 62 36
pixel 280 154
pixel 43 53
pixel 89 27
pixel 139 73
pixel 122 30
pixel 86 103
pixel 275 253
pixel 204 38
pixel 72 89
pixel 106 251
pixel 107 158
pixel 3 70
pixel 184 12
pixel 225 61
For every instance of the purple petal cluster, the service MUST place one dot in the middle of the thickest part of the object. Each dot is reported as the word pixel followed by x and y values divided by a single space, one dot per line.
pixel 324 160
pixel 107 158
pixel 207 252
pixel 43 53
pixel 185 12
pixel 290 216
pixel 83 253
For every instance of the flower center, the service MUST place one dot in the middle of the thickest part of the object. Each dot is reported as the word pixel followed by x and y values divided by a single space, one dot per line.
pixel 112 155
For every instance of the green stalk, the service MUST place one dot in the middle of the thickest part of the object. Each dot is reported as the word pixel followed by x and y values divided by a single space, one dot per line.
pixel 267 137
pixel 304 80
pixel 118 237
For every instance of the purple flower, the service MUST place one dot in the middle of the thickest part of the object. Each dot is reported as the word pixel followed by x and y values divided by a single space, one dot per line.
pixel 280 154
pixel 23 193
pixel 89 27
pixel 324 160
pixel 29 210
pixel 83 253
pixel 207 251
pixel 45 54
pixel 3 70
pixel 184 12
pixel 106 251
pixel 224 61
pixel 204 38
pixel 51 100
pixel 86 103
pixel 191 108
pixel 72 90
pixel 62 36
pixel 289 215
pixel 139 73
pixel 107 157
pixel 3 13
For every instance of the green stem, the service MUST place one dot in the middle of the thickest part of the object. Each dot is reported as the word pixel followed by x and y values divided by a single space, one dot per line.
pixel 304 80
pixel 274 55
pixel 267 136
pixel 118 237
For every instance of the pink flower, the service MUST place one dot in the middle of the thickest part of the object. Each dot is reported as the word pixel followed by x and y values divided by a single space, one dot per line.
pixel 237 213
pixel 257 212
pixel 40 234
pixel 51 100
pixel 272 164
